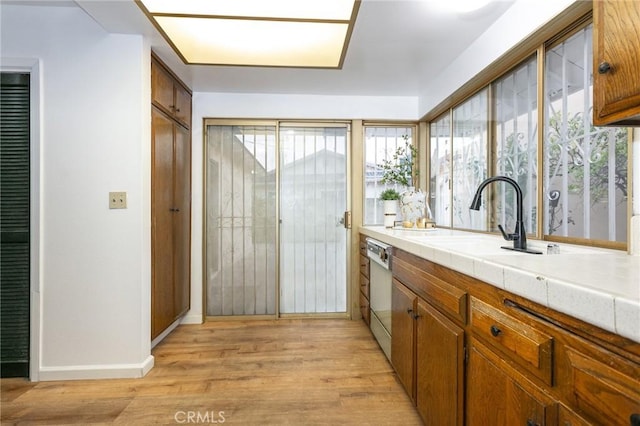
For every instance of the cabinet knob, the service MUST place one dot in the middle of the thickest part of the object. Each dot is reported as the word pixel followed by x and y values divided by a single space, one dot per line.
pixel 173 209
pixel 495 331
pixel 604 68
pixel 409 311
pixel 531 422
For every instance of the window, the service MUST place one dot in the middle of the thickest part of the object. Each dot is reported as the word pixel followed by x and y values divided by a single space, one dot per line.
pixel 585 170
pixel 516 149
pixel 573 175
pixel 470 123
pixel 381 142
pixel 440 178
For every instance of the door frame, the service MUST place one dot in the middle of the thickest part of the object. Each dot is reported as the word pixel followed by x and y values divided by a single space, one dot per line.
pixel 349 205
pixel 33 67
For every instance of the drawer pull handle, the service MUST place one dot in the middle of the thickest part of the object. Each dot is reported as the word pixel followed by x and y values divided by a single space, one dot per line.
pixel 531 423
pixel 634 419
pixel 495 331
pixel 604 68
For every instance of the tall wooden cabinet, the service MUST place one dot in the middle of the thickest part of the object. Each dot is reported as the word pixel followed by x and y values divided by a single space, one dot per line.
pixel 170 198
pixel 616 62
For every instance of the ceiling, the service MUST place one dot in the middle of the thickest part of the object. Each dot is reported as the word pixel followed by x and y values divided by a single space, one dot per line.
pixel 396 47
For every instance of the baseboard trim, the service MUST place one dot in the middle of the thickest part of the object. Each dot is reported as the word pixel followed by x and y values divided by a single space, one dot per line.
pixel 190 318
pixel 86 372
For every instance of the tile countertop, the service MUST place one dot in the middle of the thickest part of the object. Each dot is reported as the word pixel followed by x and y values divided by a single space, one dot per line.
pixel 598 286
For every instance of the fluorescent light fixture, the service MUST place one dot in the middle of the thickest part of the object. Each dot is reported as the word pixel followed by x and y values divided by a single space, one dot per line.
pixel 276 33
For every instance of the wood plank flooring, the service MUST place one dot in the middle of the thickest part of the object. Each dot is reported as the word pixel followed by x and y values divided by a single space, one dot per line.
pixel 284 372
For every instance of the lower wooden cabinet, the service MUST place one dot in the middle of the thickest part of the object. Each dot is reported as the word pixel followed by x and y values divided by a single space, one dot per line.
pixel 468 353
pixel 602 393
pixel 403 305
pixel 365 309
pixel 439 367
pixel 497 397
pixel 427 353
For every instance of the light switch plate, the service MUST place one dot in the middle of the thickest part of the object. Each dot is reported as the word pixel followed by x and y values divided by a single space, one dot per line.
pixel 117 200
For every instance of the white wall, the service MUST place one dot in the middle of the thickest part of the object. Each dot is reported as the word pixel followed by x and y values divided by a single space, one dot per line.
pixel 94 276
pixel 519 21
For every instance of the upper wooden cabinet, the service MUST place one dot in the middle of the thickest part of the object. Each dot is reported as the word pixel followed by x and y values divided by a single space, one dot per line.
pixel 616 62
pixel 169 95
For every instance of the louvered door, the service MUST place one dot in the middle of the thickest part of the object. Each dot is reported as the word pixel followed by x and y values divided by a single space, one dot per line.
pixel 14 225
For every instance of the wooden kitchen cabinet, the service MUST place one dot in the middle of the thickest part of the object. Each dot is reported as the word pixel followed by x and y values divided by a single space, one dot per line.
pixel 470 353
pixel 601 393
pixel 365 310
pixel 170 215
pixel 169 94
pixel 497 396
pixel 427 353
pixel 616 62
pixel 439 367
pixel 403 352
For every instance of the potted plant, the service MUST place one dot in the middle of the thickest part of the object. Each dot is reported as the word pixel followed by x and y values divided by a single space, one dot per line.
pixel 390 199
pixel 400 170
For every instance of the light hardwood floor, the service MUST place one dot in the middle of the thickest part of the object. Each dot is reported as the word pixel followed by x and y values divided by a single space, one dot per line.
pixel 295 372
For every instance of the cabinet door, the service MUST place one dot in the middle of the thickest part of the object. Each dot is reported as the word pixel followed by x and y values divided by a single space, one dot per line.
pixel 161 88
pixel 182 109
pixel 616 62
pixel 605 389
pixel 497 398
pixel 162 295
pixel 439 368
pixel 182 220
pixel 403 307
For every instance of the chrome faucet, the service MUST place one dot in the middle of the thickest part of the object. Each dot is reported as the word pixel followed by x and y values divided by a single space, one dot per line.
pixel 519 235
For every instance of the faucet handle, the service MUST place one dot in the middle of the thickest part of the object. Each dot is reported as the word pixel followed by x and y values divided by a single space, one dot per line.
pixel 508 237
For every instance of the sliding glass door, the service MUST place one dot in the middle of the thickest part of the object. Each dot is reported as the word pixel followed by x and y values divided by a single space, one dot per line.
pixel 241 220
pixel 313 191
pixel 275 196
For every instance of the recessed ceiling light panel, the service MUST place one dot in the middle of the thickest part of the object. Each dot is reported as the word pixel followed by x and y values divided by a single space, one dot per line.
pixel 284 33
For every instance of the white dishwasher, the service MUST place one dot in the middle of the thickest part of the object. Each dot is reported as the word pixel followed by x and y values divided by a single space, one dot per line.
pixel 380 292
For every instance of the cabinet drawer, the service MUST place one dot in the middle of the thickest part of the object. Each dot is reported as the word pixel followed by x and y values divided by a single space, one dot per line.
pixel 364 286
pixel 364 309
pixel 364 265
pixel 523 344
pixel 449 299
pixel 602 391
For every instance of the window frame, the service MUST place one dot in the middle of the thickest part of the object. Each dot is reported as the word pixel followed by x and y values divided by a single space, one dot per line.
pixel 415 137
pixel 576 19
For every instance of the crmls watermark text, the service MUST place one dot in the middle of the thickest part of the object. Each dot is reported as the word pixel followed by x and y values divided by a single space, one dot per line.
pixel 199 417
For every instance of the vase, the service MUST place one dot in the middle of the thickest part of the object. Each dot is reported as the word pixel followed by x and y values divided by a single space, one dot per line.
pixel 390 210
pixel 412 203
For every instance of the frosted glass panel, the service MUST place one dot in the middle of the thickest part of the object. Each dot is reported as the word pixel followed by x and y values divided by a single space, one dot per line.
pixel 469 159
pixel 440 179
pixel 312 239
pixel 516 134
pixel 241 220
